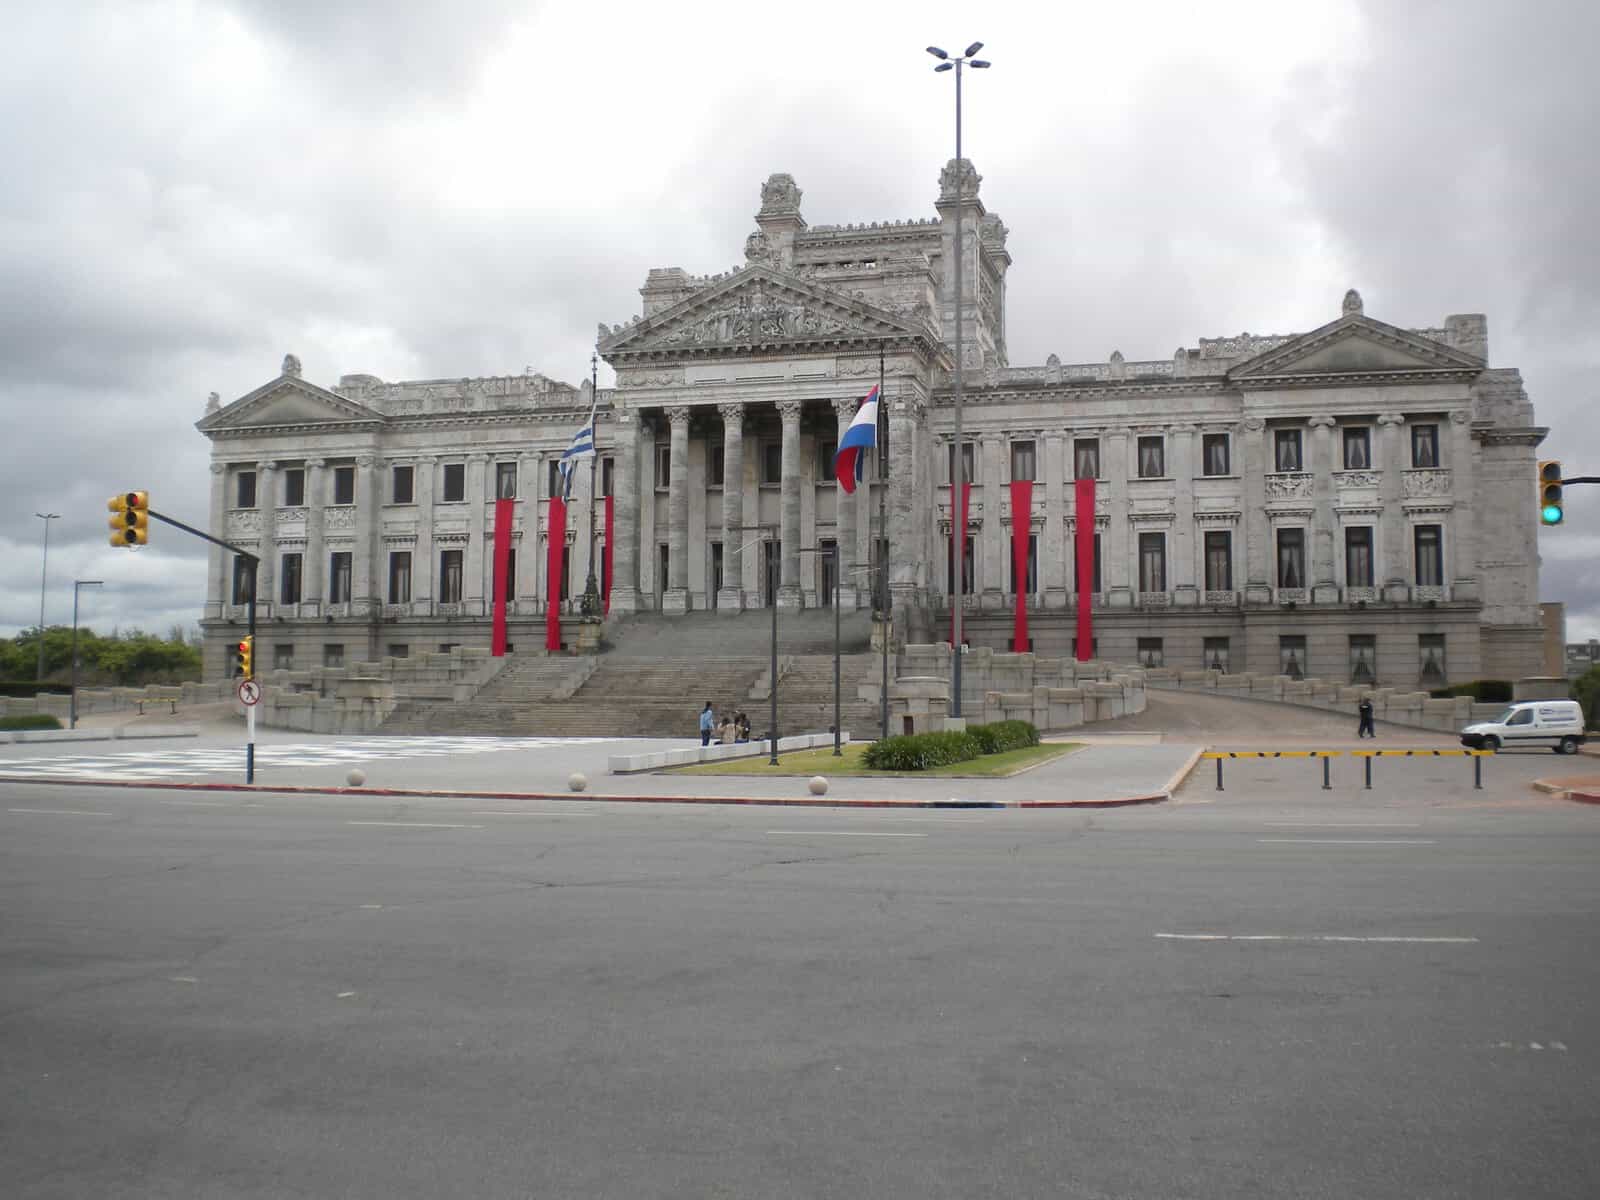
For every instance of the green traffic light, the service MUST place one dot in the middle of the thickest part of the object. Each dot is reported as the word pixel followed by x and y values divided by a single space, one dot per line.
pixel 1551 514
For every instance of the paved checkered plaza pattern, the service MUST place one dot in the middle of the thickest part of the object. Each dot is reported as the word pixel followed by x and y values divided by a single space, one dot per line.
pixel 158 765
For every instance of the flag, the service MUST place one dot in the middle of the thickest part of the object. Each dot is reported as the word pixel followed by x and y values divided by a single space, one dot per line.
pixel 582 447
pixel 862 434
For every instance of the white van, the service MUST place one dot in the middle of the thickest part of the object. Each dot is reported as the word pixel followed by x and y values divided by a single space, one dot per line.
pixel 1554 723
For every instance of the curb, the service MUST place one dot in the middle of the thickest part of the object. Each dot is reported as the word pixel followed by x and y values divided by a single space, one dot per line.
pixel 39 737
pixel 1183 772
pixel 1589 794
pixel 419 793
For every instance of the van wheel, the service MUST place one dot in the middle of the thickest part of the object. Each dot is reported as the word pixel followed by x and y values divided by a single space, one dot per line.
pixel 1491 744
pixel 1569 745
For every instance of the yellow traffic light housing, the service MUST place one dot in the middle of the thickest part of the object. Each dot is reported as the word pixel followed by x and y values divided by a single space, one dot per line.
pixel 1551 511
pixel 245 657
pixel 130 520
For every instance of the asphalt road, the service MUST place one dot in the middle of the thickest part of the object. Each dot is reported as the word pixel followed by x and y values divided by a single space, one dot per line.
pixel 282 996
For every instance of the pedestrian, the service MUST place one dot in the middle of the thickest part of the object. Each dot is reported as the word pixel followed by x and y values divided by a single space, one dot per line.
pixel 1365 729
pixel 705 724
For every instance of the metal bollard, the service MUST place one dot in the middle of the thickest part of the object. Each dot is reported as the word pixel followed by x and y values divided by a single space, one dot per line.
pixel 1326 786
pixel 1477 772
pixel 1219 774
pixel 1369 773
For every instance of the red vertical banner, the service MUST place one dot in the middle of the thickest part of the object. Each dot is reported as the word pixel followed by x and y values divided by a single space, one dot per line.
pixel 502 561
pixel 960 556
pixel 1083 508
pixel 1021 530
pixel 557 533
pixel 605 558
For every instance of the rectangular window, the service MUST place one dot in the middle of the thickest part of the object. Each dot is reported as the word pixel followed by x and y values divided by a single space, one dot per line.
pixel 1032 582
pixel 289 579
pixel 246 489
pixel 566 573
pixel 1094 647
pixel 511 573
pixel 243 580
pixel 772 462
pixel 1077 580
pixel 1357 447
pixel 1286 449
pixel 1363 658
pixel 607 475
pixel 399 650
pixel 1424 445
pixel 455 482
pixel 714 465
pixel 403 486
pixel 1292 656
pixel 1219 561
pixel 344 485
pixel 1024 461
pixel 552 479
pixel 968 568
pixel 1152 458
pixel 1291 558
pixel 825 453
pixel 663 468
pixel 333 655
pixel 283 657
pixel 1358 556
pixel 1152 562
pixel 1216 654
pixel 400 577
pixel 1086 458
pixel 450 577
pixel 1214 448
pixel 968 461
pixel 1430 555
pixel 1151 653
pixel 294 487
pixel 339 577
pixel 1430 652
pixel 505 481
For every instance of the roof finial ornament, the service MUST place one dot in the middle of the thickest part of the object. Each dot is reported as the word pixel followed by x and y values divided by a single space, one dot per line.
pixel 213 402
pixel 1352 303
pixel 291 366
pixel 780 196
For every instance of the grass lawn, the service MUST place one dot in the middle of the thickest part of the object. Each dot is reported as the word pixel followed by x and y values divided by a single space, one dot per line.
pixel 822 762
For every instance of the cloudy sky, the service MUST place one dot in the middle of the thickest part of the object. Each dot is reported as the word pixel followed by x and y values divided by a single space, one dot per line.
pixel 416 189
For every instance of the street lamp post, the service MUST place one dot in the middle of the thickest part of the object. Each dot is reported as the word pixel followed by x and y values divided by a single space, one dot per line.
pixel 592 605
pixel 832 553
pixel 958 473
pixel 72 702
pixel 46 517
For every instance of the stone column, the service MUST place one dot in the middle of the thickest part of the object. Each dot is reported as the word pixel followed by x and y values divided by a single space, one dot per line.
pixel 1256 571
pixel 530 482
pixel 904 415
pixel 1116 564
pixel 1324 582
pixel 625 518
pixel 219 567
pixel 1183 555
pixel 730 597
pixel 267 506
pixel 846 508
pixel 1054 553
pixel 423 563
pixel 472 569
pixel 314 592
pixel 1392 529
pixel 676 597
pixel 994 539
pixel 368 528
pixel 1462 535
pixel 789 573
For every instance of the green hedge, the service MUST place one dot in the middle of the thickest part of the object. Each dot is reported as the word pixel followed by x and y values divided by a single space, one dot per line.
pixel 25 689
pixel 920 751
pixel 1484 691
pixel 29 721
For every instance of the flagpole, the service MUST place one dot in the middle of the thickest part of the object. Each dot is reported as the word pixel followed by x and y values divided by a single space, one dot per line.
pixel 883 542
pixel 591 606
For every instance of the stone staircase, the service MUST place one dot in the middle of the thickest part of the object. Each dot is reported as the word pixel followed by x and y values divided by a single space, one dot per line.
pixel 502 707
pixel 805 696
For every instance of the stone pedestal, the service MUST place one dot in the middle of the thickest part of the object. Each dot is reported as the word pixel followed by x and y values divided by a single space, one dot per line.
pixel 789 597
pixel 675 601
pixel 730 600
pixel 587 640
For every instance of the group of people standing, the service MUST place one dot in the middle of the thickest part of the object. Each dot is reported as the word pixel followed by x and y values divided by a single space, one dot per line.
pixel 725 727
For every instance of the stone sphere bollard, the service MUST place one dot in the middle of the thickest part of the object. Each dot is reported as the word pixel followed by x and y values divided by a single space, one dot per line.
pixel 356 777
pixel 577 781
pixel 818 786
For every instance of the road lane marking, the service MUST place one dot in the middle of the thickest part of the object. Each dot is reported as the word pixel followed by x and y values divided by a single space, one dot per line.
pixel 413 825
pixel 512 812
pixel 199 803
pixel 1344 824
pixel 1313 937
pixel 345 995
pixel 842 833
pixel 1350 841
pixel 62 812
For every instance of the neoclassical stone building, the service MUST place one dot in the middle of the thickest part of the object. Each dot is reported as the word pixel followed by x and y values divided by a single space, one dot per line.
pixel 1354 502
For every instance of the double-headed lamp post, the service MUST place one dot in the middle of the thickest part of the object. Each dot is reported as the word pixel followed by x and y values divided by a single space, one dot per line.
pixel 72 702
pixel 46 517
pixel 959 465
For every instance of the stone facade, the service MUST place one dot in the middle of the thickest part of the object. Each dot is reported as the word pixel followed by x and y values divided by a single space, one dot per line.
pixel 1352 503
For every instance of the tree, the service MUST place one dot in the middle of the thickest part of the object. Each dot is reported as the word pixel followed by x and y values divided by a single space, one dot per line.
pixel 1586 691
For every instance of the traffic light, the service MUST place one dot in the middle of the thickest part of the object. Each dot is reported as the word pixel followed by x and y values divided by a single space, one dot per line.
pixel 130 521
pixel 245 660
pixel 1550 508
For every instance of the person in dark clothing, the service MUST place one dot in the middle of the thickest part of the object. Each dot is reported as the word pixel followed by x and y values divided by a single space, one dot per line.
pixel 706 719
pixel 1365 729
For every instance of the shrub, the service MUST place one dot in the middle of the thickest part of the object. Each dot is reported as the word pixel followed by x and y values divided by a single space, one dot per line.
pixel 1000 736
pixel 920 751
pixel 27 689
pixel 1586 691
pixel 1484 691
pixel 29 721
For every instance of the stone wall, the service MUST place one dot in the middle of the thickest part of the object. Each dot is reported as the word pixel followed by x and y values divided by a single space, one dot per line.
pixel 358 698
pixel 1050 693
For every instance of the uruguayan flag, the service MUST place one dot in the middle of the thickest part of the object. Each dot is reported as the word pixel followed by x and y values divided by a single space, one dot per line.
pixel 582 447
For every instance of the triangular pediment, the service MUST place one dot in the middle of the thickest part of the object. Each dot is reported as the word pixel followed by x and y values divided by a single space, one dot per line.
pixel 758 308
pixel 288 401
pixel 1355 345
